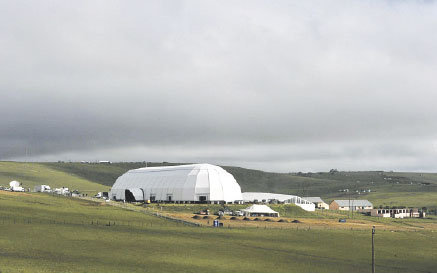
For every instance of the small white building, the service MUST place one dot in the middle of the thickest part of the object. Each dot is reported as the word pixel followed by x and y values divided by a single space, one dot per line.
pixel 42 188
pixel 317 201
pixel 350 205
pixel 62 191
pixel 259 211
pixel 76 193
pixel 395 213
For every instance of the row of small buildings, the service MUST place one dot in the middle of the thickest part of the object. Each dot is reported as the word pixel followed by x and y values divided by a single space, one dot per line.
pixel 366 207
pixel 16 186
pixel 340 204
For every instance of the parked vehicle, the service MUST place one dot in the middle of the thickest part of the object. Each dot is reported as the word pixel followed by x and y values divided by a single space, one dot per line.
pixel 238 213
pixel 17 189
pixel 204 212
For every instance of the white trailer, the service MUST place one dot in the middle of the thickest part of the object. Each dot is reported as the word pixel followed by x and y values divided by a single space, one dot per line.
pixel 42 188
pixel 17 189
pixel 62 191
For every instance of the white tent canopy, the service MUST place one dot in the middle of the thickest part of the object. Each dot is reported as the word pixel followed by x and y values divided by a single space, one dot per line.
pixel 262 197
pixel 185 183
pixel 260 210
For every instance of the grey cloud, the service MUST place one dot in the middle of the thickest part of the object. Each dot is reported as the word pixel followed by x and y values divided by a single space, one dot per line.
pixel 220 81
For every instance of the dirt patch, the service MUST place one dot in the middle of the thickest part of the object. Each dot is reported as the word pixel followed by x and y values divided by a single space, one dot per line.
pixel 307 223
pixel 10 193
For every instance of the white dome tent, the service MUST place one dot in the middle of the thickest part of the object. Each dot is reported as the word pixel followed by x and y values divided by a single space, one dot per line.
pixel 259 211
pixel 261 197
pixel 14 184
pixel 185 183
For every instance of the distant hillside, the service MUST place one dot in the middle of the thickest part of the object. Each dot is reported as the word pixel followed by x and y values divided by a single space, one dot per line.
pixel 104 174
pixel 386 188
pixel 32 174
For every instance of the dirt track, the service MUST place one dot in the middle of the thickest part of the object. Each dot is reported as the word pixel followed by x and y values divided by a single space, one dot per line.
pixel 10 193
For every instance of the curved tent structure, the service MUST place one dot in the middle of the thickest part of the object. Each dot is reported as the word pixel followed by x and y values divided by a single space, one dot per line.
pixel 259 210
pixel 185 183
pixel 261 197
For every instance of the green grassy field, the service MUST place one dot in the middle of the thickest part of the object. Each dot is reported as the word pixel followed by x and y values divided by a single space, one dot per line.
pixel 44 233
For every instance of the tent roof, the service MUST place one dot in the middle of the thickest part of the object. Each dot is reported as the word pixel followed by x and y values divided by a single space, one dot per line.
pixel 181 183
pixel 14 183
pixel 259 209
pixel 251 196
pixel 179 167
pixel 353 203
pixel 313 199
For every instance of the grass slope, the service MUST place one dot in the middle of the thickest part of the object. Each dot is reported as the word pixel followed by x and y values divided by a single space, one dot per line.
pixel 35 238
pixel 32 174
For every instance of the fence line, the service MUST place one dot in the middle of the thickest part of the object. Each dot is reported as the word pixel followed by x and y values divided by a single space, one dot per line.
pixel 144 211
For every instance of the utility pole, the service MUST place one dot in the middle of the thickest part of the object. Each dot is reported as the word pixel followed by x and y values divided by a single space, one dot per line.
pixel 350 208
pixel 373 249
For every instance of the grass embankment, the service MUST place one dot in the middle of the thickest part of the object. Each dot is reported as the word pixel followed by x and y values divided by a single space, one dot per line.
pixel 148 244
pixel 32 174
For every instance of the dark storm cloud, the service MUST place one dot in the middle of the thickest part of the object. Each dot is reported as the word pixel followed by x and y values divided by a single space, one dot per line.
pixel 283 85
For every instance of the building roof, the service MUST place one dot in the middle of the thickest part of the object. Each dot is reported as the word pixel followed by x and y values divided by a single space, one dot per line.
pixel 353 202
pixel 252 196
pixel 178 167
pixel 259 209
pixel 313 199
pixel 181 183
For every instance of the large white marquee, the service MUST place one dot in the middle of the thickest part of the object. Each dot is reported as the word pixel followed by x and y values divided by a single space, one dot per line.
pixel 185 183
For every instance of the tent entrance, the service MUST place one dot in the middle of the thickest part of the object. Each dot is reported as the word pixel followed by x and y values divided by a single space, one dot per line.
pixel 129 196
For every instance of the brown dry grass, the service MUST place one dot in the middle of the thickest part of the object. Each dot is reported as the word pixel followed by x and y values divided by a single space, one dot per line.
pixel 305 223
pixel 10 193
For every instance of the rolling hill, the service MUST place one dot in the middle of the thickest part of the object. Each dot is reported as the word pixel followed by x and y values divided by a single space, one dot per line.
pixel 32 174
pixel 386 188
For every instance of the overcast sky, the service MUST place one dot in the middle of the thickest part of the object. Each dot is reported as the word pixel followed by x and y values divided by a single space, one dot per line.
pixel 275 85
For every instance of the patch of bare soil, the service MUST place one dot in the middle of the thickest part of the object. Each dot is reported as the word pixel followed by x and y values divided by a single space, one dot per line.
pixel 10 193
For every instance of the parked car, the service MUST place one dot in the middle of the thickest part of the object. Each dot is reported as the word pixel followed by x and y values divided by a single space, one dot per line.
pixel 238 213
